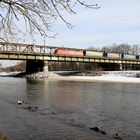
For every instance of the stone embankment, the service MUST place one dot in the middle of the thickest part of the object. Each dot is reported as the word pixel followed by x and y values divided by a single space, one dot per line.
pixel 42 75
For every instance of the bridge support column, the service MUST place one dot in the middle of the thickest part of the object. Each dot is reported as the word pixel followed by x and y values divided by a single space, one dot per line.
pixel 45 67
pixel 121 67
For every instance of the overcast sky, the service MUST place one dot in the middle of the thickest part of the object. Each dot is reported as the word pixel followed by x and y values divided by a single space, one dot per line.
pixel 117 21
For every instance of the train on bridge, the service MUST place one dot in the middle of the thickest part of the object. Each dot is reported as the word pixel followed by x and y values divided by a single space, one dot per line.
pixel 50 51
pixel 96 54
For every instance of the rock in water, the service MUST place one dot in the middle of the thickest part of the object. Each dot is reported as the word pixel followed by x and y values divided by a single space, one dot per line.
pixel 117 137
pixel 103 132
pixel 19 102
pixel 95 128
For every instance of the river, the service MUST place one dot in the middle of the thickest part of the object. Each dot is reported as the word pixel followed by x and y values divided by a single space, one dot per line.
pixel 66 110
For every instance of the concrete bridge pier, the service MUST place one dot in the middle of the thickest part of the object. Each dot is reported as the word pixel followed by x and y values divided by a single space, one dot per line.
pixel 33 66
pixel 121 67
pixel 45 66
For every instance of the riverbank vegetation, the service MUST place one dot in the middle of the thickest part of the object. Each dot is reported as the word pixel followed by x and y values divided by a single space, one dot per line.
pixel 19 67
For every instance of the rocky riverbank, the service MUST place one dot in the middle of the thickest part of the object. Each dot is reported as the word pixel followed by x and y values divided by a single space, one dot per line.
pixel 42 75
pixel 104 76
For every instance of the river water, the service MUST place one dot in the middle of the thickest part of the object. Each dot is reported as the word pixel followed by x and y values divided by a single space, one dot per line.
pixel 66 110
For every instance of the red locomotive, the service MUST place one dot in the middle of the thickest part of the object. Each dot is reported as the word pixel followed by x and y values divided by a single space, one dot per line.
pixel 69 52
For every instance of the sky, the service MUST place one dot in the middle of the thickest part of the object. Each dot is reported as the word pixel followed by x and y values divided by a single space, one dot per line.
pixel 117 21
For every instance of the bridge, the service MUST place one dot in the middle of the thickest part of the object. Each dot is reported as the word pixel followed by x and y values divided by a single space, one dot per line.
pixel 38 56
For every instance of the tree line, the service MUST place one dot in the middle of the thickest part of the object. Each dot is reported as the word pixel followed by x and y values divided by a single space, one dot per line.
pixel 21 67
pixel 119 48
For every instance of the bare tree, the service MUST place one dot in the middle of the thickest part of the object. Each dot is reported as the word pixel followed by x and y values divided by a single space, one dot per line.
pixel 135 49
pixel 123 48
pixel 93 48
pixel 38 16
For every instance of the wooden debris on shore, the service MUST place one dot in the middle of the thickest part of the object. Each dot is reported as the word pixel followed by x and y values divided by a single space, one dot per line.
pixel 98 129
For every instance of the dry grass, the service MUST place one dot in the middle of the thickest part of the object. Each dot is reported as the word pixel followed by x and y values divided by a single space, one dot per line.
pixel 3 137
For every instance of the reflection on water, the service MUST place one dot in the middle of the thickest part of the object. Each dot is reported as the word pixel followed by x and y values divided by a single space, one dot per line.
pixel 67 109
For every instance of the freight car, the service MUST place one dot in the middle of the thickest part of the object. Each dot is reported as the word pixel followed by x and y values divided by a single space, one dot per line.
pixel 129 56
pixel 121 56
pixel 112 55
pixel 93 54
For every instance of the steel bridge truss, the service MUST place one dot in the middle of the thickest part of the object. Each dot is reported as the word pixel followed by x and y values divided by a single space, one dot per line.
pixel 25 48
